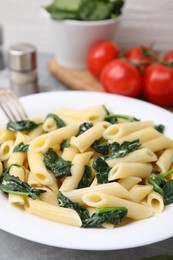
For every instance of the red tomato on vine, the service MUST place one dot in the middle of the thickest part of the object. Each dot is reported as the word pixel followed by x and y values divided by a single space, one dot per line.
pixel 99 55
pixel 158 84
pixel 121 77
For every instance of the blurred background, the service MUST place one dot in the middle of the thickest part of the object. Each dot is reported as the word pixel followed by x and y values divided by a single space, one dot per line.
pixel 143 22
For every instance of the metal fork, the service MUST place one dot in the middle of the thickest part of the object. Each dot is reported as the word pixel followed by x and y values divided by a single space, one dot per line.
pixel 11 106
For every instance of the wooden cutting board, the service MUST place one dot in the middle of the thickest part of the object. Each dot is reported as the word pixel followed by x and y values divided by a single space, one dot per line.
pixel 74 79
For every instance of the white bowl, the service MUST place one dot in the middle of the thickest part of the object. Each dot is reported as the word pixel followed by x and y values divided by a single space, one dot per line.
pixel 72 39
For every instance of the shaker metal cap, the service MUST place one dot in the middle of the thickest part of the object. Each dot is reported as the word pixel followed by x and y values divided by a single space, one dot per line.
pixel 22 57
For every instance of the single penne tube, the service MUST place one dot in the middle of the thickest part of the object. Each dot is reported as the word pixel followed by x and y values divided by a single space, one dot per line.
pixel 92 114
pixel 6 150
pixel 45 141
pixel 35 133
pixel 77 170
pixel 119 130
pixel 16 199
pixel 17 158
pixel 155 202
pixel 6 134
pixel 143 135
pixel 123 170
pixel 99 200
pixel 49 196
pixel 49 125
pixel 114 189
pixel 129 182
pixel 38 169
pixel 71 120
pixel 20 137
pixel 139 192
pixel 18 172
pixel 69 152
pixel 51 212
pixel 158 144
pixel 144 155
pixel 164 161
pixel 86 139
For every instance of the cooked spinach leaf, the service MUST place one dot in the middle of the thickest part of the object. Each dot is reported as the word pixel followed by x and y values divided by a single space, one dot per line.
pixel 102 170
pixel 56 164
pixel 59 122
pixel 101 147
pixel 65 143
pixel 113 215
pixel 22 125
pixel 160 128
pixel 12 184
pixel 113 118
pixel 67 203
pixel 86 179
pixel 21 147
pixel 162 186
pixel 84 127
pixel 121 150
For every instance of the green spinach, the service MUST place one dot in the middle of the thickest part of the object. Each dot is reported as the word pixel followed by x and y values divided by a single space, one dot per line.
pixel 121 150
pixel 59 122
pixel 162 186
pixel 56 164
pixel 12 184
pixel 112 215
pixel 86 179
pixel 84 127
pixel 102 170
pixel 21 147
pixel 22 125
pixel 85 10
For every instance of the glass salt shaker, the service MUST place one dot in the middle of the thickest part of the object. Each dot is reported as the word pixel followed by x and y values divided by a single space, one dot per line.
pixel 22 63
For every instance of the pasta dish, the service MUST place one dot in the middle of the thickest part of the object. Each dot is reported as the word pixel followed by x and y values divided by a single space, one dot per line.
pixel 87 168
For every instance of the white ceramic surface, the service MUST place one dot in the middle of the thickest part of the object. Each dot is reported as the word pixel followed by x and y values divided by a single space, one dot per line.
pixel 73 39
pixel 138 233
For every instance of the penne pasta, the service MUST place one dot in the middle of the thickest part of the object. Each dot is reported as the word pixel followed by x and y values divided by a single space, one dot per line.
pixel 155 202
pixel 73 174
pixel 115 131
pixel 100 200
pixel 38 169
pixel 78 163
pixel 113 188
pixel 43 142
pixel 51 212
pixel 144 155
pixel 122 170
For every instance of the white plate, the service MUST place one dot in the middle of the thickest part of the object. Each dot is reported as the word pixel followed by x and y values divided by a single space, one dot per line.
pixel 139 233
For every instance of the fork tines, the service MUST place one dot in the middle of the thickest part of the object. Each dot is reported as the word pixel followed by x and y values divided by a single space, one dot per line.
pixel 11 106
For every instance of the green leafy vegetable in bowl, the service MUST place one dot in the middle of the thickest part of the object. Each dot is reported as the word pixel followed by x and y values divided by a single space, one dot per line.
pixel 85 10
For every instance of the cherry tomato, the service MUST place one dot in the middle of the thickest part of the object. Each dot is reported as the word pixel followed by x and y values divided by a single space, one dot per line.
pixel 121 77
pixel 169 56
pixel 158 84
pixel 99 55
pixel 142 56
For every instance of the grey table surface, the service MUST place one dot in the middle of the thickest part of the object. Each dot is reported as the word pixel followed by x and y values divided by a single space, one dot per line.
pixel 16 248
